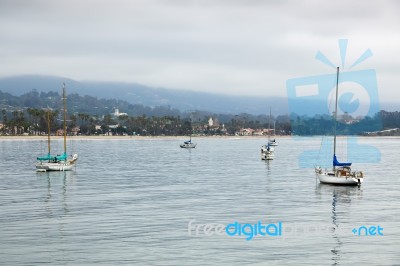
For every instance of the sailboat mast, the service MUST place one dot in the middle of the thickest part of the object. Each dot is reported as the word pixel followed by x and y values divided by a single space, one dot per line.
pixel 65 119
pixel 269 124
pixel 48 130
pixel 335 115
pixel 274 128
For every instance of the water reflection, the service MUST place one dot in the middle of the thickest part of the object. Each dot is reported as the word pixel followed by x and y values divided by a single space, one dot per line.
pixel 56 184
pixel 189 151
pixel 269 179
pixel 342 197
pixel 55 192
pixel 336 249
pixel 268 166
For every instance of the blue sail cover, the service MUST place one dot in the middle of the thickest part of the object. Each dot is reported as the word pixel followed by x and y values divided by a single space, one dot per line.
pixel 62 157
pixel 49 157
pixel 44 158
pixel 336 162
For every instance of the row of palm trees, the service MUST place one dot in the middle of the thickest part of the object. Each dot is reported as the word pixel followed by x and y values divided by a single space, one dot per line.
pixel 34 121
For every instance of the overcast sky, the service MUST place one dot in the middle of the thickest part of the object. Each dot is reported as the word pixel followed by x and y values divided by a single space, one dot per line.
pixel 248 47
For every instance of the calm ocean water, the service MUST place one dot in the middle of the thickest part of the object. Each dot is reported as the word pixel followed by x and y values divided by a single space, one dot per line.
pixel 131 201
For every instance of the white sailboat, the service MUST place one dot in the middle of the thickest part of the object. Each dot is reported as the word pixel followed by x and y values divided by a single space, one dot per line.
pixel 188 144
pixel 273 142
pixel 267 151
pixel 341 173
pixel 57 162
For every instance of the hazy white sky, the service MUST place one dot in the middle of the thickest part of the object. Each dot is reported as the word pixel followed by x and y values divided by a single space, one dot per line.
pixel 248 47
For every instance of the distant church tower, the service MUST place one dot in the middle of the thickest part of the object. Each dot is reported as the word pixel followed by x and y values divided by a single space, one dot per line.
pixel 210 122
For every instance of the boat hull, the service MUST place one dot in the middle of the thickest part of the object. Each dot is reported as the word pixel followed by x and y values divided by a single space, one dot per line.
pixel 273 143
pixel 267 153
pixel 57 166
pixel 334 180
pixel 188 146
pixel 267 156
pixel 341 176
pixel 54 166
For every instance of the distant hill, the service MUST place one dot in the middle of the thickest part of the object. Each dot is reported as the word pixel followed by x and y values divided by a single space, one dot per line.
pixel 81 104
pixel 137 94
pixel 133 93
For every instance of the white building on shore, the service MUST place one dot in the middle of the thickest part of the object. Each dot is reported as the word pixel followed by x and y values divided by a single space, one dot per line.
pixel 117 113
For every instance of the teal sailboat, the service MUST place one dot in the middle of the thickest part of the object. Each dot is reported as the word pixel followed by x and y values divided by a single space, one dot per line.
pixel 58 162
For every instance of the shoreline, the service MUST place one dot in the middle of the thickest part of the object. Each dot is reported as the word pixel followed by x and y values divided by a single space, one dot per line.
pixel 132 137
pixel 6 138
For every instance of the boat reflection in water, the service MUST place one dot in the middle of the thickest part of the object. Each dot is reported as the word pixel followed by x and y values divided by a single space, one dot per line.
pixel 56 199
pixel 342 199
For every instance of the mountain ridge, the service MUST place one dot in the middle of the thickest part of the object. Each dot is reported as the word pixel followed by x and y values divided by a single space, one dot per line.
pixel 136 93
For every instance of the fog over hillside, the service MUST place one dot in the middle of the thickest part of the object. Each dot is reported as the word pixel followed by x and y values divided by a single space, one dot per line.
pixel 183 100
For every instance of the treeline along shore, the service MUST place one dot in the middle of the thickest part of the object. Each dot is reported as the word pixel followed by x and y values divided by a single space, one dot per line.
pixel 20 115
